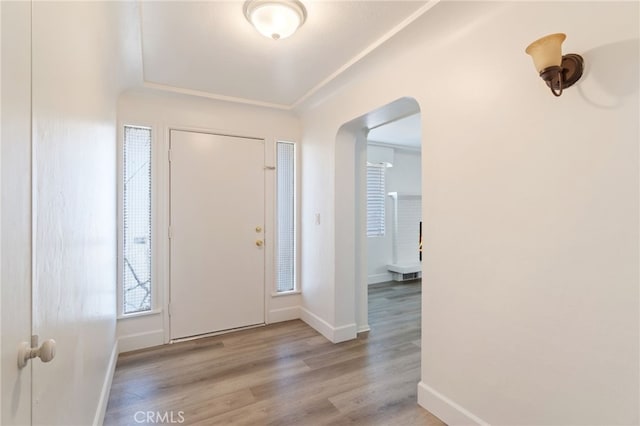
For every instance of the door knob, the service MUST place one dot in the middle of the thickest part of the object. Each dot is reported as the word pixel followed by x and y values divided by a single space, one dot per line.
pixel 259 243
pixel 46 352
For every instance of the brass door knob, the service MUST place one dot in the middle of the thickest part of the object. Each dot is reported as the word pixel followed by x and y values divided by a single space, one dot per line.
pixel 259 243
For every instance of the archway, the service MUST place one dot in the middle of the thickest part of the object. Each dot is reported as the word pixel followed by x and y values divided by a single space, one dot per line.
pixel 351 297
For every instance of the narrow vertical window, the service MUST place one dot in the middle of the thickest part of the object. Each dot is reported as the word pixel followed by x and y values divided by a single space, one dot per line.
pixel 375 200
pixel 136 220
pixel 286 217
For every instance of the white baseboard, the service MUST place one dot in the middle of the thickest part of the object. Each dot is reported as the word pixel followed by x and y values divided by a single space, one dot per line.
pixel 344 333
pixel 445 409
pixel 317 323
pixel 137 341
pixel 333 334
pixel 364 328
pixel 283 314
pixel 379 278
pixel 101 410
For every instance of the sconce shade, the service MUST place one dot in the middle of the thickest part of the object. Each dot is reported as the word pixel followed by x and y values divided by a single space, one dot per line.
pixel 558 71
pixel 276 19
pixel 547 51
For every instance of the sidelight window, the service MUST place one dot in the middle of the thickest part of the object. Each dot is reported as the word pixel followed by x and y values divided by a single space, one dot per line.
pixel 136 220
pixel 285 217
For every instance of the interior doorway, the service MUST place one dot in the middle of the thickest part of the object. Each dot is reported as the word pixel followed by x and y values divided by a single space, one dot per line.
pixel 351 301
pixel 394 201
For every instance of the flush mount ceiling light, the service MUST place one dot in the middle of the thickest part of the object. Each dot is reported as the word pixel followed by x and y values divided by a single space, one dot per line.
pixel 276 19
pixel 559 72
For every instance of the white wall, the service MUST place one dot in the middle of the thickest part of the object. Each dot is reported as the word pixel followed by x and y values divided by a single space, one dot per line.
pixel 79 67
pixel 404 176
pixel 162 110
pixel 530 308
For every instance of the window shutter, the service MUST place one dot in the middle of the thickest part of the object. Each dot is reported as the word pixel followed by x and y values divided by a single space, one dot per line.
pixel 375 200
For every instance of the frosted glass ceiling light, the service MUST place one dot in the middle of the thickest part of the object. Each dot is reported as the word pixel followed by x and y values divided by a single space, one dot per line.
pixel 276 19
pixel 559 72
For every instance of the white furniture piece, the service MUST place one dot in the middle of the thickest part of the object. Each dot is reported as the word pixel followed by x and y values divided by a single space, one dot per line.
pixel 407 215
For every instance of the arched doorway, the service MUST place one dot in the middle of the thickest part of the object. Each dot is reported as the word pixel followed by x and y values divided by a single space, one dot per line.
pixel 351 296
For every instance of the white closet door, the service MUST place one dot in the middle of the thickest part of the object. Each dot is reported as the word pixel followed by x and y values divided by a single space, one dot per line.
pixel 217 221
pixel 16 210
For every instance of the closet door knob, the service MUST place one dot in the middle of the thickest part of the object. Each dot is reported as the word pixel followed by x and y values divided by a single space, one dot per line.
pixel 46 352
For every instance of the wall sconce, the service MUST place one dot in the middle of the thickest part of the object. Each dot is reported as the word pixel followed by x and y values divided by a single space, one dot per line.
pixel 276 19
pixel 558 71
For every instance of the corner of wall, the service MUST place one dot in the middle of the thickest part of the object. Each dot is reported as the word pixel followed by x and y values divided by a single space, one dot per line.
pixel 331 333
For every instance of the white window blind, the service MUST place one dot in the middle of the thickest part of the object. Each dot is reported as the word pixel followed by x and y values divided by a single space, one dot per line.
pixel 136 222
pixel 375 200
pixel 286 217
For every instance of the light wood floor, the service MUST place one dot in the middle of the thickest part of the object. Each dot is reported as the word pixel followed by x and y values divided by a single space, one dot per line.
pixel 283 374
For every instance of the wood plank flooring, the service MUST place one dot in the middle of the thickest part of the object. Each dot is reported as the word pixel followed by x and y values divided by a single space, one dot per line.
pixel 282 374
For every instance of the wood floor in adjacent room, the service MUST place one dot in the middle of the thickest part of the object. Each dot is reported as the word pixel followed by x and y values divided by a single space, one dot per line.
pixel 283 374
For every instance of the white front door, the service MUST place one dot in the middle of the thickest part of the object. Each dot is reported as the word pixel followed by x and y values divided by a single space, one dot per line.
pixel 217 233
pixel 16 210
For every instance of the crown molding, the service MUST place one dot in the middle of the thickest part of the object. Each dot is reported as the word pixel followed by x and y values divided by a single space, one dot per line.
pixel 210 95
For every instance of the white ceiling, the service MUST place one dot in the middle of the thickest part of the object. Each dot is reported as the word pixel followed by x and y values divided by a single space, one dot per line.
pixel 209 48
pixel 405 132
